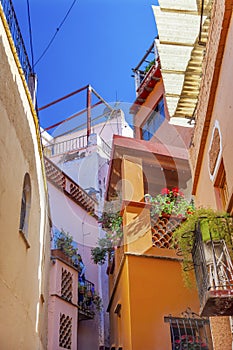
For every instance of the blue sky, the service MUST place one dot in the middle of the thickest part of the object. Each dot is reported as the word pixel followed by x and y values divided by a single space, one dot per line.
pixel 99 43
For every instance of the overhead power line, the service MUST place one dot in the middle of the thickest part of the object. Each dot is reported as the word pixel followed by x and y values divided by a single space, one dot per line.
pixel 55 34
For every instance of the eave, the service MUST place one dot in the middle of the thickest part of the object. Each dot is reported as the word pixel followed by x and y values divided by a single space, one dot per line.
pixel 181 47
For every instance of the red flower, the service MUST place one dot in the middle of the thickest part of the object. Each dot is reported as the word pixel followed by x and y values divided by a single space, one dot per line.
pixel 175 190
pixel 165 190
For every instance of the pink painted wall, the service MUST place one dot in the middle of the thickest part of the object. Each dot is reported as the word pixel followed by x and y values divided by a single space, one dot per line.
pixel 70 217
pixel 58 306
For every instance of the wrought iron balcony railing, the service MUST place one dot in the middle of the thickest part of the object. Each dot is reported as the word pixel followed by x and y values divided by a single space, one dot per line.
pixel 213 265
pixel 86 295
pixel 12 21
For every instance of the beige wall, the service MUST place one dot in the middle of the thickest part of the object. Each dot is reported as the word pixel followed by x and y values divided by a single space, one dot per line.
pixel 24 264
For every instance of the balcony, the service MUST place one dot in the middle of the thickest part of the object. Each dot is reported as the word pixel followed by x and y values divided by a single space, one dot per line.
pixel 147 73
pixel 14 28
pixel 71 148
pixel 213 265
pixel 86 300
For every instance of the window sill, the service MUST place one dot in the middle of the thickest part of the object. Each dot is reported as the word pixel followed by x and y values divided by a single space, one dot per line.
pixel 22 234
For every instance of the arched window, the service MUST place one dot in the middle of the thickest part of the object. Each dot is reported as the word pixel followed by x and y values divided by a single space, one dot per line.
pixel 25 205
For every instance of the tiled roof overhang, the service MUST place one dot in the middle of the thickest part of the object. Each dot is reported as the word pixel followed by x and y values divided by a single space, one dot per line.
pixel 181 51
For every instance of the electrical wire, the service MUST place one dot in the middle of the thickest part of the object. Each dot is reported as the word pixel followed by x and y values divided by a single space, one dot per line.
pixel 55 34
pixel 30 32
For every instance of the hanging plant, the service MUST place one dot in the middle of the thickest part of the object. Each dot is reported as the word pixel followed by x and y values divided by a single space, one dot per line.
pixel 210 222
pixel 112 224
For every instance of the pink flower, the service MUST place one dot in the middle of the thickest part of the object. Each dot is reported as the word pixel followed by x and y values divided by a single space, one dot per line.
pixel 165 190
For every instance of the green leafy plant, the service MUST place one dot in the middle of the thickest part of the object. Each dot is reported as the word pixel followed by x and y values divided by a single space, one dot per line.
pixel 183 237
pixel 150 64
pixel 64 241
pixel 112 224
pixel 171 202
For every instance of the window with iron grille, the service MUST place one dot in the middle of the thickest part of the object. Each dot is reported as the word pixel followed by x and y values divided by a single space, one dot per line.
pixel 65 331
pixel 189 332
pixel 66 285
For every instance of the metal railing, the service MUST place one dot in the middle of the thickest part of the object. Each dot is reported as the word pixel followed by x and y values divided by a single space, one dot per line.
pixel 12 21
pixel 86 293
pixel 211 257
pixel 149 60
pixel 66 146
pixel 75 144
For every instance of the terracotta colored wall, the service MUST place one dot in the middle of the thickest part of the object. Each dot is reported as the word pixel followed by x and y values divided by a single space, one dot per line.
pixel 222 112
pixel 221 104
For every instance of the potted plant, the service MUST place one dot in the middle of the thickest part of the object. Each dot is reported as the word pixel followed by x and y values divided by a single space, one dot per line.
pixel 171 202
pixel 64 244
pixel 190 342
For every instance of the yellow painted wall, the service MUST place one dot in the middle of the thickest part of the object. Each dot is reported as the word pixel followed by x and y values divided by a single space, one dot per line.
pixel 24 270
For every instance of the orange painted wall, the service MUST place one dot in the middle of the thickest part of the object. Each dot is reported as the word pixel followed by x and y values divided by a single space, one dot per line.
pixel 120 327
pixel 149 288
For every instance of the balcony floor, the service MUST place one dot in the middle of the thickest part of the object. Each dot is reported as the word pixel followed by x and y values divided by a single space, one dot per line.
pixel 218 303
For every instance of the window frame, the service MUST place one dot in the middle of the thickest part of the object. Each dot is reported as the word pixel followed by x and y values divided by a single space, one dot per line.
pixel 25 209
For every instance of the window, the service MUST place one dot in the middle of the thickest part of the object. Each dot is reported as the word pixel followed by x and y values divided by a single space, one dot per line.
pixel 25 205
pixel 154 121
pixel 189 332
pixel 221 188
